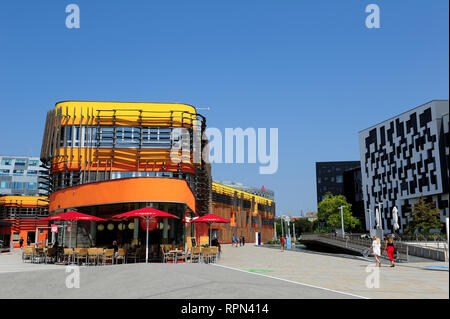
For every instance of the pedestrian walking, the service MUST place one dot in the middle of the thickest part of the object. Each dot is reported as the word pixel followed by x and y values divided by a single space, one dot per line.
pixel 376 247
pixel 28 241
pixel 390 249
pixel 283 242
pixel 243 241
pixel 21 242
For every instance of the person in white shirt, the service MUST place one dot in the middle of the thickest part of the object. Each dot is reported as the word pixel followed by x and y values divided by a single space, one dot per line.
pixel 376 247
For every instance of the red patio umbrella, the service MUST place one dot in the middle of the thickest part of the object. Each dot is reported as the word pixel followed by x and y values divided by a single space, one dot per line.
pixel 71 216
pixel 146 213
pixel 210 219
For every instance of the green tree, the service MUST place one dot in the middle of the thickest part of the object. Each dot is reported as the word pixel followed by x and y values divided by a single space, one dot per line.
pixel 424 216
pixel 330 213
pixel 303 226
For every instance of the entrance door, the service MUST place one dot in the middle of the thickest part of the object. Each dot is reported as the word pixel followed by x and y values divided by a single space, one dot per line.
pixel 32 236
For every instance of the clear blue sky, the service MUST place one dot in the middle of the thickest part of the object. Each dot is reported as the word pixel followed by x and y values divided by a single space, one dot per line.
pixel 310 68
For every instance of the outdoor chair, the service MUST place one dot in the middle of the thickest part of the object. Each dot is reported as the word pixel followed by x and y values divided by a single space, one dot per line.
pixel 27 254
pixel 108 256
pixel 81 254
pixel 50 255
pixel 167 256
pixel 67 255
pixel 92 256
pixel 195 254
pixel 121 255
pixel 205 254
pixel 40 255
pixel 135 255
pixel 214 253
pixel 182 255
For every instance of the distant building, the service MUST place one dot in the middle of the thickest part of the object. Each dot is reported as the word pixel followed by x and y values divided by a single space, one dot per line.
pixel 403 158
pixel 353 192
pixel 21 216
pixel 263 192
pixel 20 175
pixel 311 216
pixel 330 177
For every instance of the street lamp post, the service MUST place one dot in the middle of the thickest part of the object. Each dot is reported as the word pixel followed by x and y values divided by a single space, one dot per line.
pixel 342 220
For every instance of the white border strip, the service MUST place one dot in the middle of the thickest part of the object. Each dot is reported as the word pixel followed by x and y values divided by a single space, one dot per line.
pixel 290 281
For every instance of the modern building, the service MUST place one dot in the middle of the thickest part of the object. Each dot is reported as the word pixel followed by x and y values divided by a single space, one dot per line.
pixel 249 213
pixel 403 158
pixel 311 216
pixel 106 158
pixel 263 192
pixel 21 218
pixel 20 175
pixel 330 177
pixel 353 192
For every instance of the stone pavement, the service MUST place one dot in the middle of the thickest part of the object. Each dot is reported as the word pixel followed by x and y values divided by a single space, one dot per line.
pixel 406 280
pixel 247 272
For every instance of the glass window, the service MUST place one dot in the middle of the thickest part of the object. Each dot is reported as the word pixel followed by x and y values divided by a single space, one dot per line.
pixel 32 172
pixel 5 172
pixel 31 185
pixel 4 185
pixel 18 172
pixel 339 179
pixel 21 162
pixel 6 161
pixel 17 185
pixel 16 236
pixel 33 163
pixel 319 180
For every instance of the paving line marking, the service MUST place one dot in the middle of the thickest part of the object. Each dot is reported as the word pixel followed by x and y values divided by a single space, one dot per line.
pixel 293 282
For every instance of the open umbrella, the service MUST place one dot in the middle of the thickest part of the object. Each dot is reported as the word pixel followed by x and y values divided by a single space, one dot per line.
pixel 146 213
pixel 395 218
pixel 209 219
pixel 71 216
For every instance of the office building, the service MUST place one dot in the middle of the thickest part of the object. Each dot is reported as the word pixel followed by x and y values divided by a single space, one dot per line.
pixel 330 177
pixel 403 158
pixel 20 175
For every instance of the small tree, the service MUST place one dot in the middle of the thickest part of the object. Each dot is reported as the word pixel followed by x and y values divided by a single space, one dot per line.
pixel 303 226
pixel 425 216
pixel 330 213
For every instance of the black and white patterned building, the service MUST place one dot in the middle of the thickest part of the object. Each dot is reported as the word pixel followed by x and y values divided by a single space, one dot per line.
pixel 405 157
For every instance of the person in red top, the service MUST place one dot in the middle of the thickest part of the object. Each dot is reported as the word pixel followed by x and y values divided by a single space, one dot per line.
pixel 283 242
pixel 389 249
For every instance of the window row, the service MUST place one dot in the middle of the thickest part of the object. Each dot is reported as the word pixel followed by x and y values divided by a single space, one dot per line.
pixel 19 162
pixel 118 137
pixel 18 185
pixel 68 179
pixel 18 172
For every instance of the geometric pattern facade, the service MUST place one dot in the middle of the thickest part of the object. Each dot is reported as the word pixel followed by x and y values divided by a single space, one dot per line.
pixel 403 158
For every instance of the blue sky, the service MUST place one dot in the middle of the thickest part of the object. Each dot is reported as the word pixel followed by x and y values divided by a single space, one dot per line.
pixel 310 68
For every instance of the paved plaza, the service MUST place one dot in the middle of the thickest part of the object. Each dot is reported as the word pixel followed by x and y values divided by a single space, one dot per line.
pixel 244 272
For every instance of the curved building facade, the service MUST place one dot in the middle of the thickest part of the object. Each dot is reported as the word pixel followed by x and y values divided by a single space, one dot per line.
pixel 104 158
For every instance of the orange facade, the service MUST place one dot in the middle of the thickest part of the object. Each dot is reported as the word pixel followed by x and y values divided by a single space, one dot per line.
pixel 104 157
pixel 24 214
pixel 124 191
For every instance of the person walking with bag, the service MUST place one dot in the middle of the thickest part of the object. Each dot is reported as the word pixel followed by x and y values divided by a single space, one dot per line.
pixel 390 249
